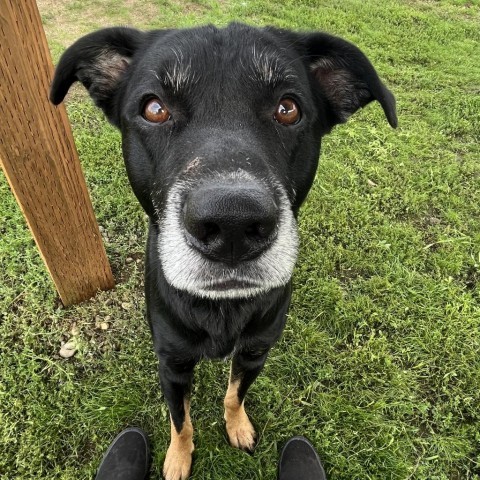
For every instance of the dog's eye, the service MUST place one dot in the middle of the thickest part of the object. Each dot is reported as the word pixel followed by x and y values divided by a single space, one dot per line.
pixel 155 111
pixel 287 112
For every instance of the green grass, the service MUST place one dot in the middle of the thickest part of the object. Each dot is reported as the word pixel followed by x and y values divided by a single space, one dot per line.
pixel 379 364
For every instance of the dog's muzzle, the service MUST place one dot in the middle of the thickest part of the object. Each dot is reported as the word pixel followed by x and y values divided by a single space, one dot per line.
pixel 227 236
pixel 230 223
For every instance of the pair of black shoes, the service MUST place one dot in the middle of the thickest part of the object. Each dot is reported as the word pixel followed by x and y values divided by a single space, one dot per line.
pixel 128 458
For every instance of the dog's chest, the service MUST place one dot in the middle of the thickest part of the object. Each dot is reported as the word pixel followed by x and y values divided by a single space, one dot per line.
pixel 217 347
pixel 219 333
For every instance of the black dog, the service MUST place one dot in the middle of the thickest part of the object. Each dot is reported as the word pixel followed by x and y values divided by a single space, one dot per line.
pixel 221 133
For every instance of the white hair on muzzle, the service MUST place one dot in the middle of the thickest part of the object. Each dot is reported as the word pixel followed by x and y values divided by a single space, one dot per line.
pixel 187 269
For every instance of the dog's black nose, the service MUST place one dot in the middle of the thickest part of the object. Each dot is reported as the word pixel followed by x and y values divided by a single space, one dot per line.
pixel 230 222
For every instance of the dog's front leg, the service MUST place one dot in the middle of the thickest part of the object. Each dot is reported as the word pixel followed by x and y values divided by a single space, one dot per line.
pixel 246 365
pixel 176 382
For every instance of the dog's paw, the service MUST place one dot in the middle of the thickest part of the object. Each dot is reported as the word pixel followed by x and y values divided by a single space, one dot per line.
pixel 178 461
pixel 240 431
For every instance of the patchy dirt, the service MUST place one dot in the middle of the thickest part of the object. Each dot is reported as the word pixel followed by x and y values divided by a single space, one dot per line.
pixel 65 21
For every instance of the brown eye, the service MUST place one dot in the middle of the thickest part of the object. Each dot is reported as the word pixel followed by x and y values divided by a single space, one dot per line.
pixel 287 112
pixel 155 111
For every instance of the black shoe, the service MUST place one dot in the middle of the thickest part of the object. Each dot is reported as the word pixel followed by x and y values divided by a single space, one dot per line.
pixel 127 457
pixel 300 461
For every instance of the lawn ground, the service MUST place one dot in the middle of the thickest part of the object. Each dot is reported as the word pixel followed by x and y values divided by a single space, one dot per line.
pixel 379 364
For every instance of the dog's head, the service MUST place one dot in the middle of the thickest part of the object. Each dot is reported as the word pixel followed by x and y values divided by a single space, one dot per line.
pixel 221 134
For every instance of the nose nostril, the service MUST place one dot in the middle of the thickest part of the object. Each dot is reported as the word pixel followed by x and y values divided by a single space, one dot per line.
pixel 211 231
pixel 252 230
pixel 267 229
pixel 260 231
pixel 205 232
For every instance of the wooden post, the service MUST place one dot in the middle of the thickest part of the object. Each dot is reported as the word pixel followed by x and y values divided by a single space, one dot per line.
pixel 38 156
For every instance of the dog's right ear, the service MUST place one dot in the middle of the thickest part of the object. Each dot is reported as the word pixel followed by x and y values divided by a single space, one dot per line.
pixel 98 60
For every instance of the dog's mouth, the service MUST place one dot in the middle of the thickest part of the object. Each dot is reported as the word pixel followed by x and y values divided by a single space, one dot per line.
pixel 204 273
pixel 231 284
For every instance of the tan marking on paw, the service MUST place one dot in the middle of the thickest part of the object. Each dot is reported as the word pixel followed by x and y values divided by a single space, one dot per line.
pixel 178 461
pixel 240 431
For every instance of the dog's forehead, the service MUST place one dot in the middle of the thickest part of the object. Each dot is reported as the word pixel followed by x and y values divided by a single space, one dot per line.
pixel 187 56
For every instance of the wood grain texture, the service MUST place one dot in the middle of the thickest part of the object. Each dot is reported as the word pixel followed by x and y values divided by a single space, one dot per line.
pixel 38 156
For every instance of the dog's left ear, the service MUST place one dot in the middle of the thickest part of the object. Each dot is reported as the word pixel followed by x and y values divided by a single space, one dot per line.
pixel 346 77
